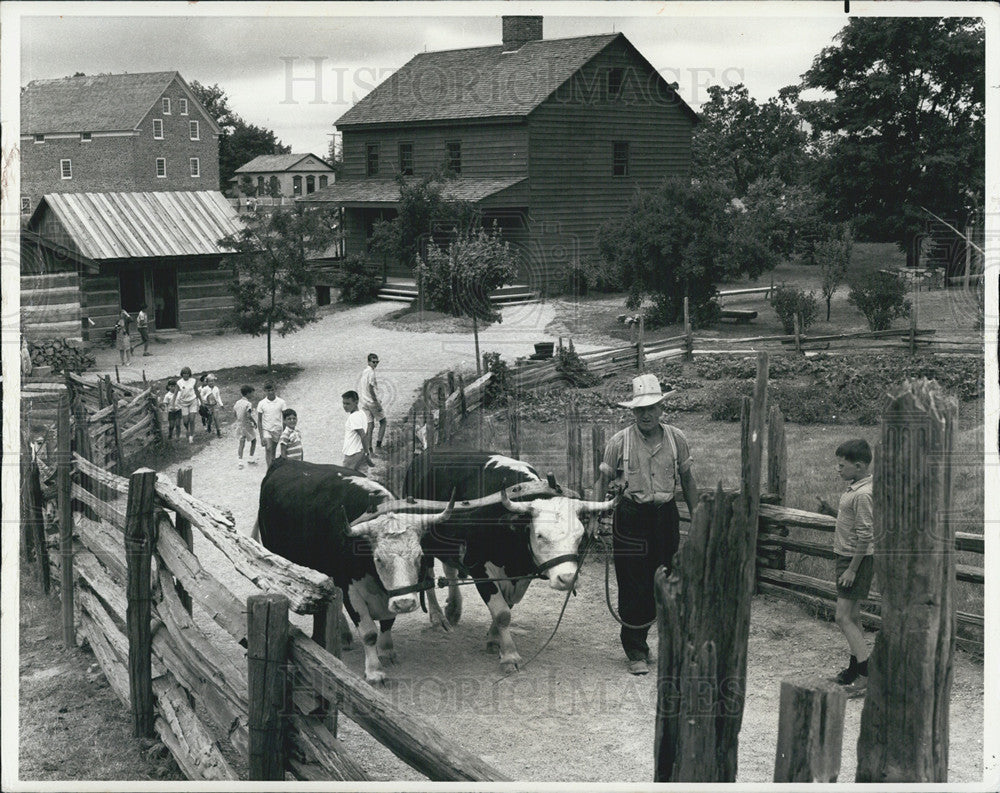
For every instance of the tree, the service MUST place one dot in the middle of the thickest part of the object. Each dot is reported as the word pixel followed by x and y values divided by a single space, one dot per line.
pixel 833 255
pixel 740 141
pixel 459 279
pixel 904 128
pixel 239 141
pixel 272 279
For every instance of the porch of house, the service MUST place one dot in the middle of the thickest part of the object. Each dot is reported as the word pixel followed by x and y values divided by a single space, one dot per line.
pixel 404 290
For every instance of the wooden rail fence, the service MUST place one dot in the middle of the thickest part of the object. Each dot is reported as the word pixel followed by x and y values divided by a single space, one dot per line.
pixel 167 634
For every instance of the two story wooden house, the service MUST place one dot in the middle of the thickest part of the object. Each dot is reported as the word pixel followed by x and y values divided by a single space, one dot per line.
pixel 112 133
pixel 550 138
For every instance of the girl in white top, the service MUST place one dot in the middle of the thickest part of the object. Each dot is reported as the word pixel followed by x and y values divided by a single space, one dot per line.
pixel 188 400
pixel 211 399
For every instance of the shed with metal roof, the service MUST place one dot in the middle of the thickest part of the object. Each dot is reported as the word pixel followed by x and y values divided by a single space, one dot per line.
pixel 161 249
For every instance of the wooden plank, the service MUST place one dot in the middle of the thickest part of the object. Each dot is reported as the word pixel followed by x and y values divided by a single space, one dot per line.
pixel 810 731
pixel 183 528
pixel 139 548
pixel 105 510
pixel 106 544
pixel 268 685
pixel 64 486
pixel 905 719
pixel 777 454
pixel 416 743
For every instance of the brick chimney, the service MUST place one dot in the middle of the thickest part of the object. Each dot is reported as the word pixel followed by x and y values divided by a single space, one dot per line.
pixel 518 31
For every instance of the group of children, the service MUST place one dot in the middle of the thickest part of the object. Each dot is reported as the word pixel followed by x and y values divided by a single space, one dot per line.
pixel 123 334
pixel 275 425
pixel 185 398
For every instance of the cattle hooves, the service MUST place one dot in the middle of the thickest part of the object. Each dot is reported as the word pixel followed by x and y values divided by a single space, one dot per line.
pixel 375 678
pixel 453 611
pixel 508 667
pixel 492 646
pixel 389 658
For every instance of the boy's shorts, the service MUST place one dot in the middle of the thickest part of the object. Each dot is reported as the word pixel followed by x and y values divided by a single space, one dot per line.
pixel 248 433
pixel 862 579
pixel 144 335
pixel 271 437
pixel 374 415
pixel 356 461
pixel 187 410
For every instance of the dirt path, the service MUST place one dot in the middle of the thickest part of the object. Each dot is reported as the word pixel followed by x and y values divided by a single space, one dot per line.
pixel 572 714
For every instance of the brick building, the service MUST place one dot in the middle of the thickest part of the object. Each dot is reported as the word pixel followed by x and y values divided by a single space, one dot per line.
pixel 112 133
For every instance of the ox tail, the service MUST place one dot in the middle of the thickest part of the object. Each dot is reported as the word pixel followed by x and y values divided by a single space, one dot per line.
pixel 255 532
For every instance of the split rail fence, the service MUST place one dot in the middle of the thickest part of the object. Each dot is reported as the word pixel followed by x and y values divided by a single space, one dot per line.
pixel 223 681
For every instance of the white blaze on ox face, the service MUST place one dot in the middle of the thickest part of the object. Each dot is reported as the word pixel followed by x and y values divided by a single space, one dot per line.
pixel 397 554
pixel 556 530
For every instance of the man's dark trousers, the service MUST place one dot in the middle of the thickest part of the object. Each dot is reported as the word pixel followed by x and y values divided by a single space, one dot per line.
pixel 645 537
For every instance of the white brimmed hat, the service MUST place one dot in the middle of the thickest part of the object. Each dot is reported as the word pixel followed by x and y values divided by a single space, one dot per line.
pixel 646 390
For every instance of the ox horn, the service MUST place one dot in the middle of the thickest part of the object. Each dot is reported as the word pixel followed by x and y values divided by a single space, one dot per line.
pixel 430 520
pixel 510 506
pixel 587 507
pixel 356 527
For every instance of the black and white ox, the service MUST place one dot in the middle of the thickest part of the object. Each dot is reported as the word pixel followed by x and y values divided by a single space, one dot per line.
pixel 317 516
pixel 499 541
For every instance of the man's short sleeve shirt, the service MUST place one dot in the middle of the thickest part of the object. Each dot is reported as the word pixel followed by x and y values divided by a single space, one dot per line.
pixel 651 468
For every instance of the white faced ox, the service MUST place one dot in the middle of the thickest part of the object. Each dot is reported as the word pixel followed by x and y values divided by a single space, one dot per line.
pixel 502 544
pixel 376 559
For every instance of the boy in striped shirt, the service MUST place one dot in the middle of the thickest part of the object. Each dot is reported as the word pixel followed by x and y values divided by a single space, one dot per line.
pixel 290 443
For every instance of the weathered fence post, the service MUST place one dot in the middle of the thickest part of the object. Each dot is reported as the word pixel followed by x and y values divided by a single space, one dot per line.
pixel 64 486
pixel 597 450
pixel 154 412
pixel 797 327
pixel 913 331
pixel 139 538
pixel 574 446
pixel 904 722
pixel 119 461
pixel 702 662
pixel 640 346
pixel 451 382
pixel 463 410
pixel 267 684
pixel 431 435
pixel 442 416
pixel 777 454
pixel 688 335
pixel 332 640
pixel 34 506
pixel 183 526
pixel 810 731
pixel 512 428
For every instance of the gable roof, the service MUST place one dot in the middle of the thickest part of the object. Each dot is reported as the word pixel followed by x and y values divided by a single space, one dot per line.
pixel 385 192
pixel 97 103
pixel 480 82
pixel 141 225
pixel 267 163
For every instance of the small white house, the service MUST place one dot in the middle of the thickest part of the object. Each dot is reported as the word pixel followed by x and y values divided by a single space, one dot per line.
pixel 289 175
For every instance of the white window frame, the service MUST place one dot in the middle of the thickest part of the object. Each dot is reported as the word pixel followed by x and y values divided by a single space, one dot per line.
pixel 25 205
pixel 195 168
pixel 39 139
pixel 66 167
pixel 165 105
pixel 183 106
pixel 155 122
pixel 158 161
pixel 194 130
pixel 86 137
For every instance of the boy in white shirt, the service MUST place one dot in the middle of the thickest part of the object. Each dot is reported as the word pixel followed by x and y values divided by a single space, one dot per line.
pixel 246 427
pixel 357 452
pixel 211 398
pixel 269 421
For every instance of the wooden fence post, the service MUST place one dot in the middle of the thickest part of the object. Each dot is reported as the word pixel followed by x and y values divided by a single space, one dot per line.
pixel 119 461
pixel 797 327
pixel 913 331
pixel 267 684
pixel 442 416
pixel 777 454
pixel 688 335
pixel 574 446
pixel 597 450
pixel 463 409
pixel 139 539
pixel 428 417
pixel 641 346
pixel 904 722
pixel 701 677
pixel 810 731
pixel 451 382
pixel 154 412
pixel 512 428
pixel 183 526
pixel 63 460
pixel 333 631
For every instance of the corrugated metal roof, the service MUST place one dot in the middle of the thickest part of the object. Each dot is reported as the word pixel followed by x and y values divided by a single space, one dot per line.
pixel 385 191
pixel 143 225
pixel 268 163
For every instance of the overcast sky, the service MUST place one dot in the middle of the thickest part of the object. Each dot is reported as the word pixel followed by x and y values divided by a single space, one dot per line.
pixel 253 57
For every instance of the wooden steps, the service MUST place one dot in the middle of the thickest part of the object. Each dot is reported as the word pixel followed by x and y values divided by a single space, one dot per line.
pixel 401 291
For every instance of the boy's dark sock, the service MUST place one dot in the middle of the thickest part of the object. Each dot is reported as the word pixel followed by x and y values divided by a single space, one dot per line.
pixel 863 667
pixel 847 676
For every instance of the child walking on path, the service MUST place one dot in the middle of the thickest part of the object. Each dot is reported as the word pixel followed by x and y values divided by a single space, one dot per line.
pixel 290 443
pixel 188 400
pixel 246 427
pixel 173 410
pixel 211 398
pixel 853 545
pixel 269 421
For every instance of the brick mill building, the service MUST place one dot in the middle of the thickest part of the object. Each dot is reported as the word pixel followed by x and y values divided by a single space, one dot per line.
pixel 115 132
pixel 549 138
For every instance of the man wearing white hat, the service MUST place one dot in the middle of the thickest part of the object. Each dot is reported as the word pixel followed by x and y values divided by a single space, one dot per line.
pixel 647 460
